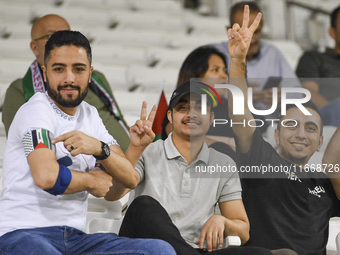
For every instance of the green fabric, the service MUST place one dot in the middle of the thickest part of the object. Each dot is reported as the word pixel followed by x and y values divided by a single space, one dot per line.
pixel 157 137
pixel 101 83
pixel 28 85
pixel 15 98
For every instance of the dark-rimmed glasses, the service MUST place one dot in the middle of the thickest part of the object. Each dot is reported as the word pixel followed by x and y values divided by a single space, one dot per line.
pixel 48 36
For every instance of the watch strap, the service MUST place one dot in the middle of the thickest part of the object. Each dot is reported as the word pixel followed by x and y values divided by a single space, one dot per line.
pixel 105 152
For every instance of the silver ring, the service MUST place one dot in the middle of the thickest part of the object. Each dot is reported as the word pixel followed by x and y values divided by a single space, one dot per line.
pixel 72 147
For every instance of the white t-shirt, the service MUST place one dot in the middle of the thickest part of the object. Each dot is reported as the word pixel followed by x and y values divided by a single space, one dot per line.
pixel 22 203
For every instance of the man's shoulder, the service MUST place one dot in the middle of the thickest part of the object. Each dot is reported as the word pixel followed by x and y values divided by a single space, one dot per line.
pixel 270 49
pixel 36 101
pixel 312 54
pixel 17 85
pixel 154 147
pixel 36 109
pixel 88 109
pixel 223 48
pixel 220 157
pixel 15 93
pixel 98 73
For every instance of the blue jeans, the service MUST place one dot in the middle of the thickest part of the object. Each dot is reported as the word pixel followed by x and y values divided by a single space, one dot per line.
pixel 70 241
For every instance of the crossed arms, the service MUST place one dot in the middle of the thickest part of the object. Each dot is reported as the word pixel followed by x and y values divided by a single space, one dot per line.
pixel 96 182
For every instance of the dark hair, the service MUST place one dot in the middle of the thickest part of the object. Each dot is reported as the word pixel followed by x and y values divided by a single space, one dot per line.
pixel 309 105
pixel 197 63
pixel 67 38
pixel 334 16
pixel 253 8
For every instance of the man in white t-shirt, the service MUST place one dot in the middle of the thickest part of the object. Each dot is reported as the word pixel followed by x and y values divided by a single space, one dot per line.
pixel 49 164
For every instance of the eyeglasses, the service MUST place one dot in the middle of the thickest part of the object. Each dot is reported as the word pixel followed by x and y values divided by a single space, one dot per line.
pixel 48 36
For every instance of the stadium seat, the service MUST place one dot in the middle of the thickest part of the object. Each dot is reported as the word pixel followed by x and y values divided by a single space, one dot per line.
pixel 118 54
pixel 116 75
pixel 166 58
pixel 164 6
pixel 99 208
pixel 151 79
pixel 208 26
pixel 191 41
pixel 148 22
pixel 98 4
pixel 103 225
pixel 290 50
pixel 16 49
pixel 11 12
pixel 11 69
pixel 333 238
pixel 126 37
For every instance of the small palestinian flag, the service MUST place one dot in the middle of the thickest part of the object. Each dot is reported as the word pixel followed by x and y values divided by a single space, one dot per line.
pixel 161 112
pixel 36 139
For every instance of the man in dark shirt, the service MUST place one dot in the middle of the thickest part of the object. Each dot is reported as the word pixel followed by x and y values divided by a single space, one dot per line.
pixel 288 202
pixel 320 73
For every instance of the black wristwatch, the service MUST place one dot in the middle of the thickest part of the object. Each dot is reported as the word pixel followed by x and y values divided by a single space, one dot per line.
pixel 105 152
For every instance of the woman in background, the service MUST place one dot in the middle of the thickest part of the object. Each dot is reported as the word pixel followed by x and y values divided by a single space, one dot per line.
pixel 208 62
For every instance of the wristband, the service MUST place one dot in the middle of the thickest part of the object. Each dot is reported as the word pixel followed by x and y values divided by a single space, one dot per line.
pixel 102 168
pixel 62 182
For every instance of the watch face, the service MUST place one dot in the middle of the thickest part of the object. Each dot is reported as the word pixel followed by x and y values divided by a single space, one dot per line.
pixel 106 150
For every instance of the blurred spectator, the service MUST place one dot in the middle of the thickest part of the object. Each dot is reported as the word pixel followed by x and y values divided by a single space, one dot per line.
pixel 99 93
pixel 315 67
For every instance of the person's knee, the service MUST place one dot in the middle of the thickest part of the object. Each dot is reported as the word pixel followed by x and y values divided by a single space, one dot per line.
pixel 260 251
pixel 28 243
pixel 160 247
pixel 284 252
pixel 144 202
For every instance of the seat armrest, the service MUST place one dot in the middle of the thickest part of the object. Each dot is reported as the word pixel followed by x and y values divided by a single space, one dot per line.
pixel 231 241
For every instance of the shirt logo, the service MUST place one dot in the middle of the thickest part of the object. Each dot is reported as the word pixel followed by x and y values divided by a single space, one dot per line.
pixel 317 190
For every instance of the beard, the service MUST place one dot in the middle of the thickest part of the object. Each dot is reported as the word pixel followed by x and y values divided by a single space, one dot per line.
pixel 66 102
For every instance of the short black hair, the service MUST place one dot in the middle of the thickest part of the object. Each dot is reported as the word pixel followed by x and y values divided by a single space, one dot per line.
pixel 253 8
pixel 67 38
pixel 196 63
pixel 334 16
pixel 309 105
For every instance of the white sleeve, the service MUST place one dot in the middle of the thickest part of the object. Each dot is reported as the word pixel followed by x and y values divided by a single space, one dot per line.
pixel 30 117
pixel 101 131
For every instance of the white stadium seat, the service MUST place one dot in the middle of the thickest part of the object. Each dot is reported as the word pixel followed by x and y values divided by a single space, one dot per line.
pixel 116 75
pixel 149 22
pixel 118 54
pixel 11 69
pixel 151 79
pixel 126 37
pixel 17 49
pixel 290 50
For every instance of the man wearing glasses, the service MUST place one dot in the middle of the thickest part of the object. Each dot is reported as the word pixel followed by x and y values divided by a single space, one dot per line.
pixel 99 94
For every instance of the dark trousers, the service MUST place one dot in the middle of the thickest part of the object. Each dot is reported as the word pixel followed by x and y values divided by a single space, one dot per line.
pixel 146 218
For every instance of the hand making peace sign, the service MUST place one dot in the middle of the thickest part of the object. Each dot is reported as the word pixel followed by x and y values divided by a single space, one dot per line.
pixel 141 134
pixel 240 37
